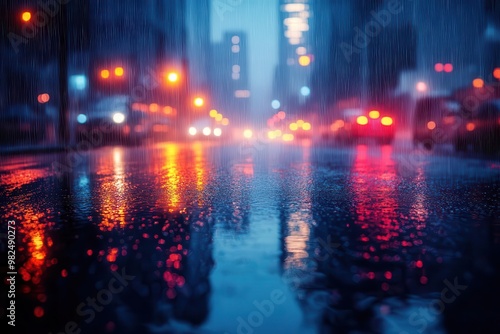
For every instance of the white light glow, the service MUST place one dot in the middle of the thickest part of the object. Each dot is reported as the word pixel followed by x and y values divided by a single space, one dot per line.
pixel 118 117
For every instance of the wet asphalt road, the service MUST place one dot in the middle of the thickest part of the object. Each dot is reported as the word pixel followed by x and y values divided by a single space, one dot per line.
pixel 206 238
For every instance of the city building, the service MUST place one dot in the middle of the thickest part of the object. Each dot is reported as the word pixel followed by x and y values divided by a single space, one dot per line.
pixel 296 54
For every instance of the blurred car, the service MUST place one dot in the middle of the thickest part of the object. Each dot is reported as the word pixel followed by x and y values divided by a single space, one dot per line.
pixel 110 117
pixel 119 121
pixel 20 123
pixel 205 129
pixel 356 124
pixel 300 129
pixel 435 121
pixel 482 131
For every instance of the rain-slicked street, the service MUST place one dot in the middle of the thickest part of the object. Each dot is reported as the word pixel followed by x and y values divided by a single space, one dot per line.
pixel 250 166
pixel 213 238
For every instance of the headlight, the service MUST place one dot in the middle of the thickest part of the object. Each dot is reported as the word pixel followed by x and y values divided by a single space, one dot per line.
pixel 247 133
pixel 118 117
pixel 192 131
pixel 82 119
pixel 207 131
pixel 217 132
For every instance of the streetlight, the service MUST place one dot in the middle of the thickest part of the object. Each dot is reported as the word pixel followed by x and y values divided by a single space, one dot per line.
pixel 198 102
pixel 172 77
pixel 496 73
pixel 26 16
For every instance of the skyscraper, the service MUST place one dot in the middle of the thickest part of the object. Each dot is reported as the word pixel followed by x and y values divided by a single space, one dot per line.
pixel 296 54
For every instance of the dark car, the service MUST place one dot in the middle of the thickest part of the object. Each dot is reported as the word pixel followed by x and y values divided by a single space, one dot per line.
pixel 436 120
pixel 482 131
pixel 116 119
pixel 21 123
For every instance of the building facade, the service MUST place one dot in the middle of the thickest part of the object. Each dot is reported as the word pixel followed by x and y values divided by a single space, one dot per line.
pixel 296 53
pixel 231 75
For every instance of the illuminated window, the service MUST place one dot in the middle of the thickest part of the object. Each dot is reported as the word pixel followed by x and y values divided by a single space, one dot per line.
pixel 301 51
pixel 242 94
pixel 294 7
pixel 304 60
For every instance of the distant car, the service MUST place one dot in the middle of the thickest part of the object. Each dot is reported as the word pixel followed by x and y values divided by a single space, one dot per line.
pixel 205 129
pixel 482 131
pixel 20 123
pixel 107 116
pixel 300 129
pixel 435 121
pixel 359 124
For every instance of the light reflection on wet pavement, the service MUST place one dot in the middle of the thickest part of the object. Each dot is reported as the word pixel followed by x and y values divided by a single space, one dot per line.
pixel 198 238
